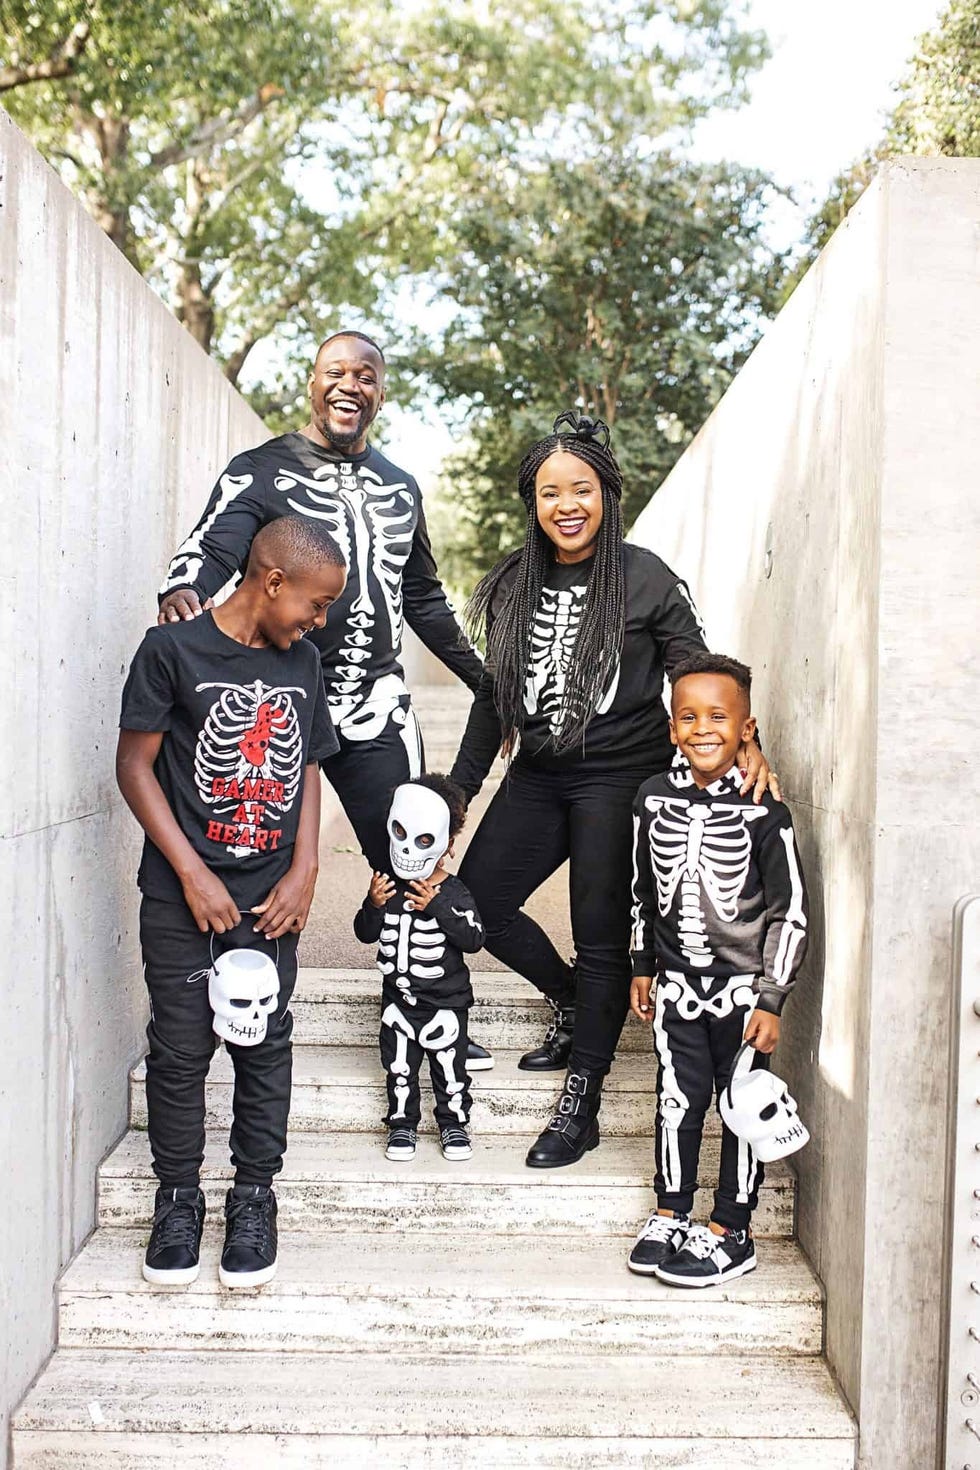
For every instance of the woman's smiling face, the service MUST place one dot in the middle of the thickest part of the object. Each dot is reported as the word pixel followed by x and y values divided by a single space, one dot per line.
pixel 568 503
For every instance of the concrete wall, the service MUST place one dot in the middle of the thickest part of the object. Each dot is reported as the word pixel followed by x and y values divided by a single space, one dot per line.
pixel 826 518
pixel 112 423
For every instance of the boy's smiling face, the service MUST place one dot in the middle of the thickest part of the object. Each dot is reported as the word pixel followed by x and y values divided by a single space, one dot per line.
pixel 710 719
pixel 294 605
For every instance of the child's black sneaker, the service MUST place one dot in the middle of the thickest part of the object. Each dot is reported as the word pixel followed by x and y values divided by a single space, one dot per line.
pixel 401 1144
pixel 173 1254
pixel 456 1143
pixel 478 1059
pixel 660 1237
pixel 705 1259
pixel 251 1236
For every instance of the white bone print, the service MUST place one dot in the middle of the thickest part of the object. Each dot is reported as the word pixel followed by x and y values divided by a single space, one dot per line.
pixel 705 850
pixel 554 633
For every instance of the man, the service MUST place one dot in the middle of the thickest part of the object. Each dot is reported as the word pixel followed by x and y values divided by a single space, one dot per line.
pixel 373 509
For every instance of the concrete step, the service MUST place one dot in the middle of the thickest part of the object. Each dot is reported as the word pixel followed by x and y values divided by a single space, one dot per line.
pixel 343 1182
pixel 342 1088
pixel 342 1008
pixel 247 1411
pixel 457 1294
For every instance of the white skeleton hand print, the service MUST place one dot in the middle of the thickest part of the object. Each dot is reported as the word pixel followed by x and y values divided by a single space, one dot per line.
pixel 704 849
pixel 553 637
pixel 249 757
pixel 373 524
pixel 410 948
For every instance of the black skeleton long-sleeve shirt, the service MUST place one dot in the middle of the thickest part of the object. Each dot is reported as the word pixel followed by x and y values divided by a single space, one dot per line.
pixel 629 728
pixel 718 888
pixel 420 953
pixel 374 512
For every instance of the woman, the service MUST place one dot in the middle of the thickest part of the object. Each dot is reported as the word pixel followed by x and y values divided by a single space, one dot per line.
pixel 581 628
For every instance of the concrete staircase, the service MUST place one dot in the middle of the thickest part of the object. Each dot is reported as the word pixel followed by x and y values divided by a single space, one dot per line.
pixel 433 1314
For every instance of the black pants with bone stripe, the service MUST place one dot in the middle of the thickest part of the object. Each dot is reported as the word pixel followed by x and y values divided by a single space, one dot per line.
pixel 176 961
pixel 698 1028
pixel 409 1033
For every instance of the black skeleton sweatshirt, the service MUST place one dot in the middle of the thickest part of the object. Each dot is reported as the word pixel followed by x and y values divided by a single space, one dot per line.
pixel 420 953
pixel 629 728
pixel 718 887
pixel 374 512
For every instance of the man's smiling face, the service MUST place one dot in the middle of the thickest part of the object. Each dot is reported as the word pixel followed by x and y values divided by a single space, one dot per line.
pixel 346 391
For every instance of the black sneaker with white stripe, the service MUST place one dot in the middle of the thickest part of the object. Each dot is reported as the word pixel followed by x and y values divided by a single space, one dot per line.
pixel 706 1259
pixel 478 1059
pixel 456 1143
pixel 660 1237
pixel 401 1144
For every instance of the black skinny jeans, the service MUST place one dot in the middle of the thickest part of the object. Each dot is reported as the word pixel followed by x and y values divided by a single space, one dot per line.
pixel 536 821
pixel 176 961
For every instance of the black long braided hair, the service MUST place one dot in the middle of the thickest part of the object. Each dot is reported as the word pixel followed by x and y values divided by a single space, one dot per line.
pixel 599 642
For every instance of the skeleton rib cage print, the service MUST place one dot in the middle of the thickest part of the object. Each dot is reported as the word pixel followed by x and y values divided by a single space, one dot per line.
pixel 554 632
pixel 249 760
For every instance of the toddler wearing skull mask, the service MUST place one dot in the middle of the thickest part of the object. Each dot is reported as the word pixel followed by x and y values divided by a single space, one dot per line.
pixel 423 920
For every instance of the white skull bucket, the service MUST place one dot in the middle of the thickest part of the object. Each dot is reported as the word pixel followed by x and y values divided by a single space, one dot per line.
pixel 243 988
pixel 418 831
pixel 758 1108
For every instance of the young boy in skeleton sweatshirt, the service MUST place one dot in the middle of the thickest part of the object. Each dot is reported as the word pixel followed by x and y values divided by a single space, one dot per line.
pixel 224 719
pixel 425 920
pixel 720 919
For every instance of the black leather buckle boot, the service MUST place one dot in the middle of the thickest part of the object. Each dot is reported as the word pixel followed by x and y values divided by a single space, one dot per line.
pixel 552 1055
pixel 574 1129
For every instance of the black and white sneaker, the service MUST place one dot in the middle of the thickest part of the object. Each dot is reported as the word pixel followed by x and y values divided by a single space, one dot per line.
pixel 251 1236
pixel 660 1237
pixel 478 1059
pixel 401 1144
pixel 173 1256
pixel 705 1259
pixel 456 1143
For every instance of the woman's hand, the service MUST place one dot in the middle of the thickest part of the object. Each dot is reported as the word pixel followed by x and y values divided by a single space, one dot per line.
pixel 755 768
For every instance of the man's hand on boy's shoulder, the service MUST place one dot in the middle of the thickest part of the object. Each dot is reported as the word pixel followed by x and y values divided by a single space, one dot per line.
pixel 287 907
pixel 210 902
pixel 762 1032
pixel 381 890
pixel 182 605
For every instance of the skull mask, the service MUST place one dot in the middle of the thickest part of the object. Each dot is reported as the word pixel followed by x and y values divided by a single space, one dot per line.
pixel 759 1109
pixel 418 829
pixel 243 988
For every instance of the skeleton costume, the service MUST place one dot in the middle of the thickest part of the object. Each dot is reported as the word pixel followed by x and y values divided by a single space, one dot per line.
pixel 425 996
pixel 240 725
pixel 576 804
pixel 373 510
pixel 720 917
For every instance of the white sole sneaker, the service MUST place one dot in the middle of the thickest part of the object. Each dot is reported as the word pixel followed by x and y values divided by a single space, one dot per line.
pixel 663 1274
pixel 247 1278
pixel 456 1152
pixel 183 1277
pixel 400 1155
pixel 479 1064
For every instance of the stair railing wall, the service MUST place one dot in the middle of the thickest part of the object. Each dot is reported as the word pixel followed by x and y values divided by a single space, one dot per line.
pixel 112 422
pixel 826 519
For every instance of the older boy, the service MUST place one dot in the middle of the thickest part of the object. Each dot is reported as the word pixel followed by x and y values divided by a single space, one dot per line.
pixel 223 722
pixel 720 918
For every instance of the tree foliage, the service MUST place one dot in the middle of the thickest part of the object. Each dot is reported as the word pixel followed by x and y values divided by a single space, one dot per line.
pixel 937 111
pixel 272 165
pixel 631 287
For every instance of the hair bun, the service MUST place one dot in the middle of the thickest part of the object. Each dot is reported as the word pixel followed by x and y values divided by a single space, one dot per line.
pixel 580 426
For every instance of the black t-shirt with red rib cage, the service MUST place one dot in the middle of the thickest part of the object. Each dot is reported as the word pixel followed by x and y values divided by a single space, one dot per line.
pixel 240 725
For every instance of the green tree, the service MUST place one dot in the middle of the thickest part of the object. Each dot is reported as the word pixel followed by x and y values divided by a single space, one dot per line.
pixel 937 112
pixel 272 164
pixel 629 286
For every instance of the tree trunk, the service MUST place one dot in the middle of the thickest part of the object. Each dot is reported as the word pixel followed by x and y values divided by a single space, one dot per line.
pixel 195 309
